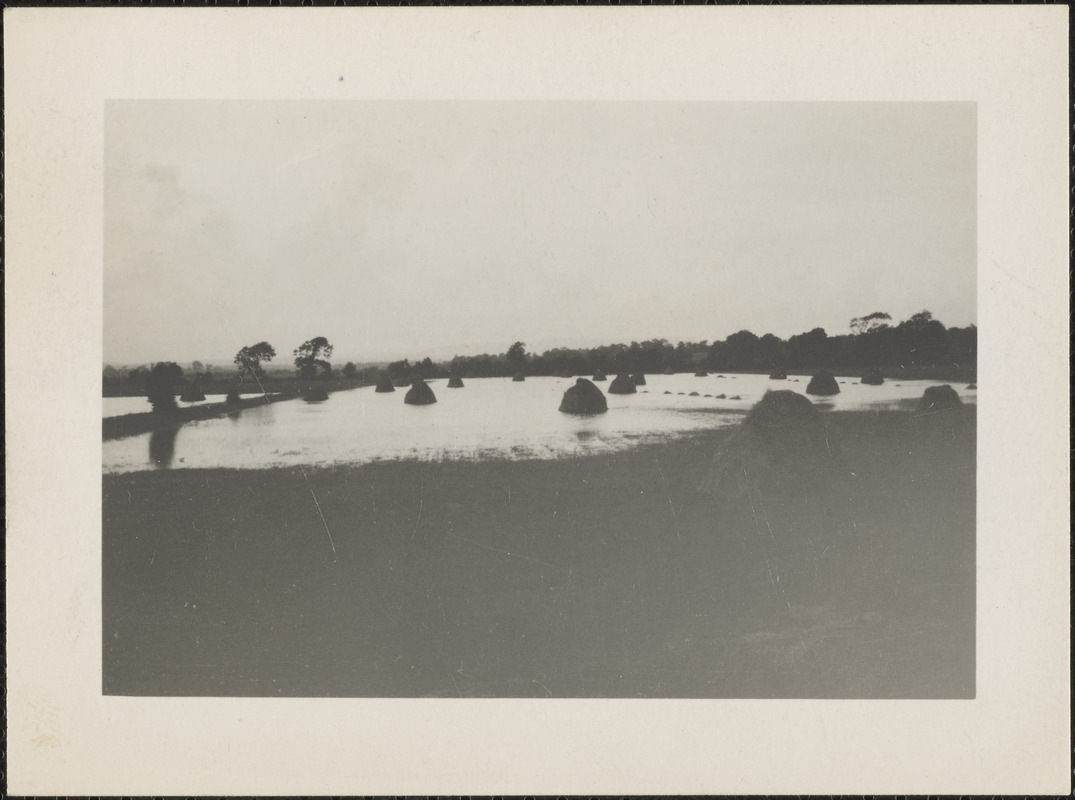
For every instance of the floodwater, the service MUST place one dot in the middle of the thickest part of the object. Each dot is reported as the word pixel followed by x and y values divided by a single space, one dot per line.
pixel 488 418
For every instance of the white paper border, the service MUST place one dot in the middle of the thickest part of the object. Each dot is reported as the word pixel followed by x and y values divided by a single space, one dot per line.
pixel 65 738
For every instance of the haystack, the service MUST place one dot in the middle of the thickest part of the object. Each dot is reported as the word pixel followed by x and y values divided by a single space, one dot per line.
pixel 384 384
pixel 455 382
pixel 192 394
pixel 823 384
pixel 778 375
pixel 972 386
pixel 622 384
pixel 701 374
pixel 872 377
pixel 639 379
pixel 584 398
pixel 518 377
pixel 599 376
pixel 939 398
pixel 315 394
pixel 232 398
pixel 693 394
pixel 419 394
pixel 782 444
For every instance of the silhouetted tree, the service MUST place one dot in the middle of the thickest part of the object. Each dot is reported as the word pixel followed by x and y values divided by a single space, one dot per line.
pixel 349 369
pixel 516 357
pixel 251 357
pixel 164 379
pixel 309 361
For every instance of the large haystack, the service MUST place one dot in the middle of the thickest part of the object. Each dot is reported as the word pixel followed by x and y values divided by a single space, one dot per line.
pixel 384 384
pixel 584 398
pixel 639 379
pixel 455 382
pixel 622 384
pixel 872 377
pixel 315 394
pixel 824 383
pixel 778 375
pixel 599 376
pixel 939 398
pixel 782 444
pixel 419 394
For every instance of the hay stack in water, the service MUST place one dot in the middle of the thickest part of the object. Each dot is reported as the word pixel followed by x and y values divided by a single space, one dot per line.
pixel 584 398
pixel 622 384
pixel 518 376
pixel 872 377
pixel 419 394
pixel 823 384
pixel 455 382
pixel 232 398
pixel 639 379
pixel 939 398
pixel 778 375
pixel 669 371
pixel 701 374
pixel 192 394
pixel 599 376
pixel 384 384
pixel 781 444
pixel 315 394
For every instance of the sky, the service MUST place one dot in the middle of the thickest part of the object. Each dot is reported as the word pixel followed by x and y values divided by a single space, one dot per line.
pixel 407 229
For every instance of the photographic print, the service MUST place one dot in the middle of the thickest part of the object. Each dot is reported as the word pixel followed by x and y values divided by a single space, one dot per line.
pixel 500 399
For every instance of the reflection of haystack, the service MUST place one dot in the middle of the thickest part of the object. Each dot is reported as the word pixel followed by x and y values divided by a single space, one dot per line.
pixel 622 384
pixel 419 394
pixel 584 398
pixel 384 384
pixel 783 443
pixel 939 398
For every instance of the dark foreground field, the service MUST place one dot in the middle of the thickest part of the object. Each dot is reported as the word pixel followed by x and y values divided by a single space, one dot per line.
pixel 604 576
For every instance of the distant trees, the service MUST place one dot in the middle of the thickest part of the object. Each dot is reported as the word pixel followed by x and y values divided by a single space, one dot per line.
pixel 161 386
pixel 516 357
pixel 310 358
pixel 250 359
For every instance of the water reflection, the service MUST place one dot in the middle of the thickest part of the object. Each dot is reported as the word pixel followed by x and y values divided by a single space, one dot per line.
pixel 162 446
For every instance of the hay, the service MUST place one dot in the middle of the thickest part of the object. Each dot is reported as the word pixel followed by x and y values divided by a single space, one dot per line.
pixel 192 394
pixel 823 384
pixel 419 394
pixel 972 386
pixel 701 374
pixel 622 384
pixel 599 376
pixel 583 398
pixel 315 394
pixel 639 379
pixel 232 398
pixel 872 377
pixel 778 375
pixel 782 444
pixel 384 384
pixel 939 398
pixel 518 377
pixel 455 382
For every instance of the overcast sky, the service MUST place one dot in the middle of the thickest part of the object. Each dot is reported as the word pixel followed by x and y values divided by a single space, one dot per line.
pixel 439 228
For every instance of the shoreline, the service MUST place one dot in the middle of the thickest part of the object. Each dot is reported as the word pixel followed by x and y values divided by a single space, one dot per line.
pixel 604 575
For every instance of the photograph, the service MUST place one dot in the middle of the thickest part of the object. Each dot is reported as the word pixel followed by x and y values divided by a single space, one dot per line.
pixel 539 399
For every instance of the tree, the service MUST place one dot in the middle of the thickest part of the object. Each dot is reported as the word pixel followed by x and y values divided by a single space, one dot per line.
pixel 349 369
pixel 516 357
pixel 162 385
pixel 869 323
pixel 250 358
pixel 308 358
